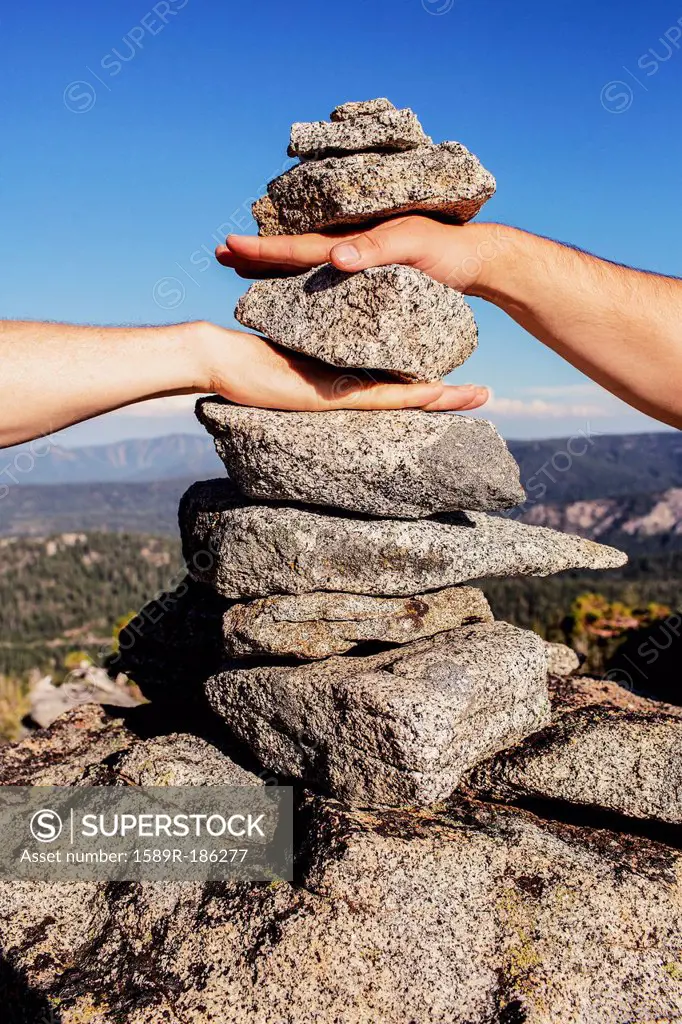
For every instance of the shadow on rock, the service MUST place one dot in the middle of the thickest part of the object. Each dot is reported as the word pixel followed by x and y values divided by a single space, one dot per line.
pixel 22 1004
pixel 648 662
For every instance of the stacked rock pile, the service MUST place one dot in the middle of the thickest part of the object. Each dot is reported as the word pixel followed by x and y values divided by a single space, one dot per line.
pixel 475 842
pixel 360 662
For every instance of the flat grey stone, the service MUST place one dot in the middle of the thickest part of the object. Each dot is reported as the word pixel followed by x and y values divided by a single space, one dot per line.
pixel 390 318
pixel 385 463
pixel 247 550
pixel 605 756
pixel 312 626
pixel 389 130
pixel 446 180
pixel 360 108
pixel 401 727
pixel 561 660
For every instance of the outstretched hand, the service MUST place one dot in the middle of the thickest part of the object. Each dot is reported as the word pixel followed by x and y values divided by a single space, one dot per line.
pixel 453 255
pixel 251 371
pixel 448 255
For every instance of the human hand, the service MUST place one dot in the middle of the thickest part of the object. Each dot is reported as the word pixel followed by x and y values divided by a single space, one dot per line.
pixel 454 255
pixel 249 370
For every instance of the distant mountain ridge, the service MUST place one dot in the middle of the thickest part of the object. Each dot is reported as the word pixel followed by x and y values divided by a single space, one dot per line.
pixel 141 460
pixel 554 470
pixel 583 467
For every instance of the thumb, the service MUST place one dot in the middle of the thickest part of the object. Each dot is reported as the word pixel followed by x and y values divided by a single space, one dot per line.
pixel 374 248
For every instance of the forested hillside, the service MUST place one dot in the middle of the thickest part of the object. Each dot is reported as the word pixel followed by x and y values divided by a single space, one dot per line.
pixel 70 592
pixel 67 593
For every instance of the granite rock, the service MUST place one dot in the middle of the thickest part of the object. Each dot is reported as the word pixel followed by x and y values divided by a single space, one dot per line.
pixel 179 759
pixel 396 728
pixel 389 130
pixel 312 626
pixel 446 180
pixel 265 215
pixel 470 914
pixel 360 108
pixel 392 318
pixel 58 755
pixel 402 463
pixel 604 755
pixel 247 550
pixel 569 694
pixel 561 660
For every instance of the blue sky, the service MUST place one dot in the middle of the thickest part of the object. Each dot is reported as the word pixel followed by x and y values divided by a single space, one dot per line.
pixel 132 138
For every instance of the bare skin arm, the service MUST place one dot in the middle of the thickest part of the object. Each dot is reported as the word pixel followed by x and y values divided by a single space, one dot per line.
pixel 53 375
pixel 621 327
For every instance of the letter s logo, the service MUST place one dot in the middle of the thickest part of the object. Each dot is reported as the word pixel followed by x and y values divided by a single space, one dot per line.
pixel 46 826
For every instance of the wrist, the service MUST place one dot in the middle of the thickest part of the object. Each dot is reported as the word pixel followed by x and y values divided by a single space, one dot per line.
pixel 495 251
pixel 215 352
pixel 190 349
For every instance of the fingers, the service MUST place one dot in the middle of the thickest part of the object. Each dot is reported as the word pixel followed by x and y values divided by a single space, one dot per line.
pixel 352 393
pixel 401 240
pixel 453 399
pixel 282 251
pixel 252 268
pixel 396 241
pixel 250 370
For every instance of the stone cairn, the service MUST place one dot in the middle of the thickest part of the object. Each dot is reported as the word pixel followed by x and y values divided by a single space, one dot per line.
pixel 477 841
pixel 361 663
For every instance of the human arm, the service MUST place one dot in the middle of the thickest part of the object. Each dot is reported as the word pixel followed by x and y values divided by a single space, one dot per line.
pixel 621 327
pixel 53 375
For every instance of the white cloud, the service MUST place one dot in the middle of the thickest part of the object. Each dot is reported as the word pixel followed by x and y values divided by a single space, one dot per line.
pixel 540 408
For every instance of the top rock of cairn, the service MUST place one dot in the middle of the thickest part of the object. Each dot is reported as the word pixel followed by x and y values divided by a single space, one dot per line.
pixel 361 108
pixel 371 161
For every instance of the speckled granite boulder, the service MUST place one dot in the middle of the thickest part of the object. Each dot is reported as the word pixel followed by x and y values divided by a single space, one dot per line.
pixel 395 728
pixel 470 914
pixel 360 108
pixel 312 626
pixel 58 755
pixel 390 318
pixel 265 215
pixel 403 463
pixel 388 130
pixel 247 550
pixel 603 755
pixel 446 180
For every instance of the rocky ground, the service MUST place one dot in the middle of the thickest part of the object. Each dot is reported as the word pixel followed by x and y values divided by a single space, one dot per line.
pixel 576 895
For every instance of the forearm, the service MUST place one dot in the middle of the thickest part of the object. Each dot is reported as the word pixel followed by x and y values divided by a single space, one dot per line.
pixel 621 327
pixel 54 375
